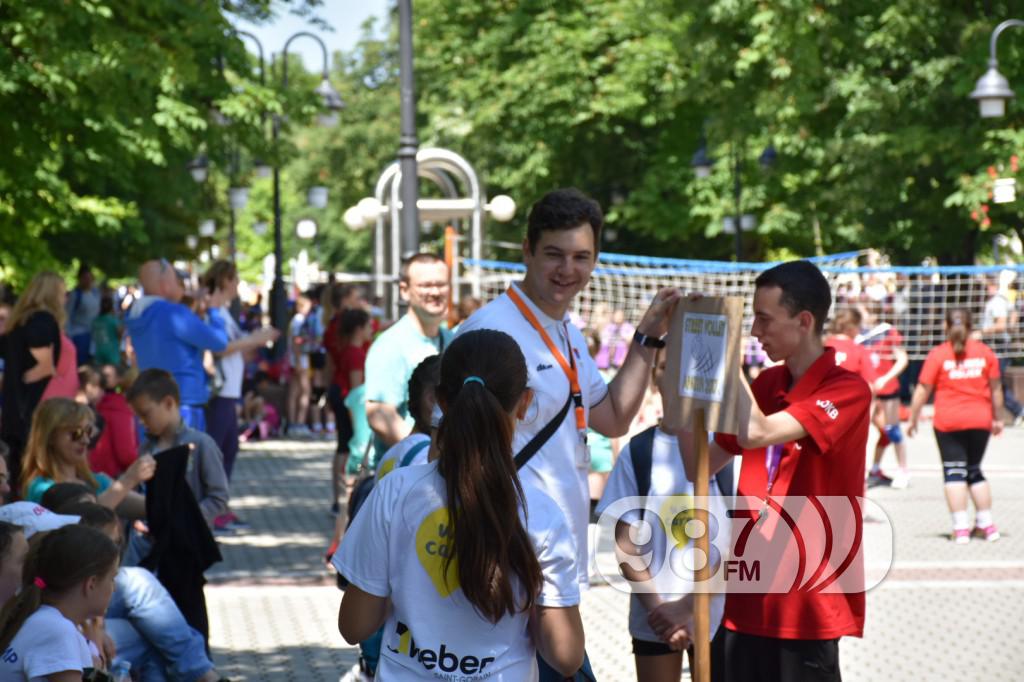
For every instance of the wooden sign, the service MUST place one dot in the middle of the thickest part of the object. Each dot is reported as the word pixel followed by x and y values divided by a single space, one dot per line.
pixel 703 363
pixel 702 369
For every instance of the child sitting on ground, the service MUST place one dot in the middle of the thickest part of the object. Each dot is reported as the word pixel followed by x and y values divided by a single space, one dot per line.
pixel 143 621
pixel 68 579
pixel 57 450
pixel 13 548
pixel 260 417
pixel 118 444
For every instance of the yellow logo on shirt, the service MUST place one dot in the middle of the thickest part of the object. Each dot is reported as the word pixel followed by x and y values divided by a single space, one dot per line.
pixel 433 544
pixel 386 468
pixel 674 513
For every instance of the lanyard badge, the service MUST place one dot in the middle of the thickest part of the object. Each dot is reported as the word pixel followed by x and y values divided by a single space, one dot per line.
pixel 568 367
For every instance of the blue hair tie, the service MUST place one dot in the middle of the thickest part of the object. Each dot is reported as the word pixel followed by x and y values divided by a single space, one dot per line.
pixel 474 379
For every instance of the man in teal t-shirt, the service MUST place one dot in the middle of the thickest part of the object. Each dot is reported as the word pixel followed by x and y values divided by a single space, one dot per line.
pixel 424 285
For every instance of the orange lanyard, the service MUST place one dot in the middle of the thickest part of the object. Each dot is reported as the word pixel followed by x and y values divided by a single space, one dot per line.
pixel 568 367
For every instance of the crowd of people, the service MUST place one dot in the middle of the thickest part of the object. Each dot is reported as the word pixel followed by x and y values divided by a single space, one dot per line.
pixel 473 453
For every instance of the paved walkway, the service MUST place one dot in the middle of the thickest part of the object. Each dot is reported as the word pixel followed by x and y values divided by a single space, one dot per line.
pixel 943 612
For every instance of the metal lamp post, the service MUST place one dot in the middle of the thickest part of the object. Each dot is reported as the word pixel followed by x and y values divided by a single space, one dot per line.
pixel 992 90
pixel 737 223
pixel 408 142
pixel 332 103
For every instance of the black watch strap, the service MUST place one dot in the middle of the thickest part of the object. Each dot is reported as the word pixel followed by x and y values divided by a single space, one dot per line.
pixel 648 341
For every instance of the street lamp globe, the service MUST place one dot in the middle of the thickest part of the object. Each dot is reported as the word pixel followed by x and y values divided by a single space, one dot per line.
pixel 261 168
pixel 992 91
pixel 331 101
pixel 502 208
pixel 305 228
pixel 238 197
pixel 316 197
pixel 353 217
pixel 370 209
pixel 198 168
pixel 701 162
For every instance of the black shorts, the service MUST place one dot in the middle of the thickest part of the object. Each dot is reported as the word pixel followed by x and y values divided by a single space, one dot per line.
pixel 738 657
pixel 889 396
pixel 643 647
pixel 962 452
pixel 318 359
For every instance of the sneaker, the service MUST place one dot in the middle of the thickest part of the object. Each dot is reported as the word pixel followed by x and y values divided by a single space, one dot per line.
pixel 1018 420
pixel 238 524
pixel 900 481
pixel 961 536
pixel 877 479
pixel 988 533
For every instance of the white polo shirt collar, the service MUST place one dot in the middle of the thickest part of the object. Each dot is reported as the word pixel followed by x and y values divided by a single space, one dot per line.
pixel 545 320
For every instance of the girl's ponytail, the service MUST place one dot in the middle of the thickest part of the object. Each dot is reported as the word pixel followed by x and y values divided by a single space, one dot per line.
pixel 57 561
pixel 958 328
pixel 483 378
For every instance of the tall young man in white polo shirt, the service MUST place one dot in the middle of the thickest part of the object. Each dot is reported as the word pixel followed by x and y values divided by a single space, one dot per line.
pixel 560 253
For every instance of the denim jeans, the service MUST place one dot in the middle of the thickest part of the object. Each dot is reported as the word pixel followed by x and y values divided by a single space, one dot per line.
pixel 1009 399
pixel 142 602
pixel 146 662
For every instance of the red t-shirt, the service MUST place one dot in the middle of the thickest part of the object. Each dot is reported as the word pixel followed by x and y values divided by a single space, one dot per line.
pixel 350 359
pixel 883 357
pixel 854 357
pixel 117 448
pixel 334 348
pixel 833 406
pixel 963 396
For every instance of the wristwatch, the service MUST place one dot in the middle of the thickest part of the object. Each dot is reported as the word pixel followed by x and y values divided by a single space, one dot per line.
pixel 648 341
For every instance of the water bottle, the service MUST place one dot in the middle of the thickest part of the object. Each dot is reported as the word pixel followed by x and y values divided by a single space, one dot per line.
pixel 121 671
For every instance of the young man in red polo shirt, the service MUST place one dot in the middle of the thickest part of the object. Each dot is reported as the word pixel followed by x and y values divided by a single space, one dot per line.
pixel 819 413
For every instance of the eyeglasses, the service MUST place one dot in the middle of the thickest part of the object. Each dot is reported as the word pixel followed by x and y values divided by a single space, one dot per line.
pixel 82 433
pixel 428 286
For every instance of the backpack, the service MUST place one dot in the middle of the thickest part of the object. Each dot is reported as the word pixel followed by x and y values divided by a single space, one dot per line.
pixel 641 453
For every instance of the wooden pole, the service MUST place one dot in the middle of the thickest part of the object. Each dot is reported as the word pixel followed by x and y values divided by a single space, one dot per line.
pixel 702 575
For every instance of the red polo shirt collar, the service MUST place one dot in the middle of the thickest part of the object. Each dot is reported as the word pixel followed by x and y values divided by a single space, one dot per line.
pixel 808 383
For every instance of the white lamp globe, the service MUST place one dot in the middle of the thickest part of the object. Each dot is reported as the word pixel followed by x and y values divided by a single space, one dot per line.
pixel 502 208
pixel 353 217
pixel 370 208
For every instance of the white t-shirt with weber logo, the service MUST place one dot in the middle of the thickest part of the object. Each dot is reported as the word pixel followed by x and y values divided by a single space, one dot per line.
pixel 47 643
pixel 396 548
pixel 392 459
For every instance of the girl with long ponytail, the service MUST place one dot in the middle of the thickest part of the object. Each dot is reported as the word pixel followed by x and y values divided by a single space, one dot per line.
pixel 964 373
pixel 68 578
pixel 479 571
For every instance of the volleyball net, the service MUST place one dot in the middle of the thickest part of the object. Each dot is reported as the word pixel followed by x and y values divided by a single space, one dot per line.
pixel 913 299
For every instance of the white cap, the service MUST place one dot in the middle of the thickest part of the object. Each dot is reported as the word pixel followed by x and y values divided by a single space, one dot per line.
pixel 34 518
